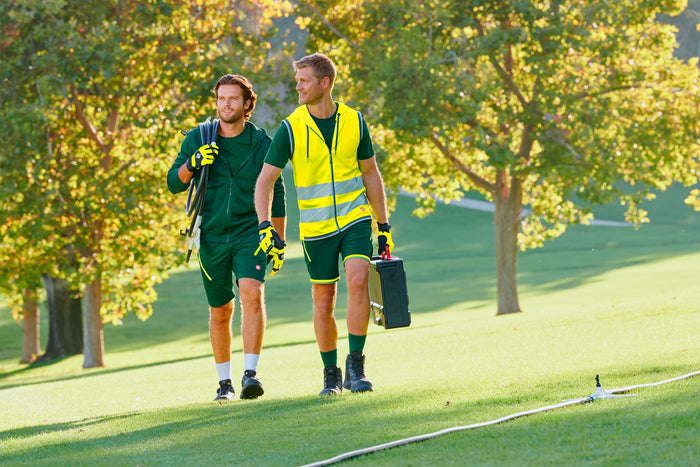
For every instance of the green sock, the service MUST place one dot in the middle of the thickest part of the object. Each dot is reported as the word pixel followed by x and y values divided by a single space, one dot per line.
pixel 330 358
pixel 356 342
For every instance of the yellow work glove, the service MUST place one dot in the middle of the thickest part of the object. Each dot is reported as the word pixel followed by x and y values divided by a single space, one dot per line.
pixel 384 242
pixel 204 156
pixel 276 255
pixel 272 245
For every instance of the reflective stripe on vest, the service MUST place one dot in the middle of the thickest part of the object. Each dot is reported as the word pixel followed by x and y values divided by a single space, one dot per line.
pixel 330 191
pixel 326 189
pixel 326 213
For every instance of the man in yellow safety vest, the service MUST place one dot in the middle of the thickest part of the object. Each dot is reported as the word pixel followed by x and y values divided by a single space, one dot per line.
pixel 338 188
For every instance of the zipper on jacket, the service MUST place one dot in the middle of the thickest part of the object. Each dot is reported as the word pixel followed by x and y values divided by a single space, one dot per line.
pixel 228 209
pixel 228 198
pixel 330 159
pixel 330 154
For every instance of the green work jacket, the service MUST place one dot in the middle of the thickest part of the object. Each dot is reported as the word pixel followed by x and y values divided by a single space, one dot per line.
pixel 229 209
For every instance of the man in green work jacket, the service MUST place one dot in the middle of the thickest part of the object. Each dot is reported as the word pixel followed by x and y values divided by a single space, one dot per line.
pixel 338 187
pixel 229 234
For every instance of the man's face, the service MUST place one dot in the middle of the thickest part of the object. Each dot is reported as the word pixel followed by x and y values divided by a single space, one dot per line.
pixel 230 106
pixel 309 87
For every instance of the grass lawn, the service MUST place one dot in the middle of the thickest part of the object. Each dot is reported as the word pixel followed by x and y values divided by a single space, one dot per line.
pixel 613 301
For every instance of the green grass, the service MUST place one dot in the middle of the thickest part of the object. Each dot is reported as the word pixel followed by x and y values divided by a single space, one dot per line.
pixel 618 302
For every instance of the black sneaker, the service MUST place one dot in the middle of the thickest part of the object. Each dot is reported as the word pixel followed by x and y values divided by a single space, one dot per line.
pixel 355 379
pixel 252 387
pixel 225 391
pixel 332 381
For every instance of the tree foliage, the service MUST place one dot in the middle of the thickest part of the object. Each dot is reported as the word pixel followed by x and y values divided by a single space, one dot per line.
pixel 94 94
pixel 555 105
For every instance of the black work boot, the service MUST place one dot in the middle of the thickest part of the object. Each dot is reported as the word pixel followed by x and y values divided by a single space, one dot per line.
pixel 355 379
pixel 332 381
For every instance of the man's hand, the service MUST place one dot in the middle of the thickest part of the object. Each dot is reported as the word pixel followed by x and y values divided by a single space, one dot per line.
pixel 204 156
pixel 385 243
pixel 269 239
pixel 272 245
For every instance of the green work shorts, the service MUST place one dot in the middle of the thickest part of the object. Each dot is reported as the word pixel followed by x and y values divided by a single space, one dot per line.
pixel 322 255
pixel 220 261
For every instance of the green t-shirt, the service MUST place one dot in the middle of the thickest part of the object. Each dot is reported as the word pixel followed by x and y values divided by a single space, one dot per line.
pixel 236 148
pixel 281 150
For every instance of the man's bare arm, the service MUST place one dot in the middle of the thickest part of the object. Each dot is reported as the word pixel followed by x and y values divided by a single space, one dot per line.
pixel 263 191
pixel 184 174
pixel 374 185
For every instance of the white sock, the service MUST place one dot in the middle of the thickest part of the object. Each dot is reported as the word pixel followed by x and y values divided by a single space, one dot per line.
pixel 224 370
pixel 250 361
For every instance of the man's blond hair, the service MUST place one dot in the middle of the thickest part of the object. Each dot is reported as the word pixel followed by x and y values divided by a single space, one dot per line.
pixel 322 66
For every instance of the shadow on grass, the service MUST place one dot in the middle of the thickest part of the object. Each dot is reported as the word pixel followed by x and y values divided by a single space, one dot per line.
pixel 101 371
pixel 88 373
pixel 285 432
pixel 34 366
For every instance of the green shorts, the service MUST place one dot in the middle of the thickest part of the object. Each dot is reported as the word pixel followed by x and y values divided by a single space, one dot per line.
pixel 220 261
pixel 322 255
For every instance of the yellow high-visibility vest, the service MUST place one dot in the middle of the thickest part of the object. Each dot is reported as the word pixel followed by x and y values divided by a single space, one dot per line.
pixel 330 192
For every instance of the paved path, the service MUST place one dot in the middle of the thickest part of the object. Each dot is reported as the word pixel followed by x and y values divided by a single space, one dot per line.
pixel 488 206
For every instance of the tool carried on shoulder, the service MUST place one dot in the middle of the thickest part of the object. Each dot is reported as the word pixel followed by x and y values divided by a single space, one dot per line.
pixel 196 195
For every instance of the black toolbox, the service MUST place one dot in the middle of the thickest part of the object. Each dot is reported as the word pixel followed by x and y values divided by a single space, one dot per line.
pixel 388 296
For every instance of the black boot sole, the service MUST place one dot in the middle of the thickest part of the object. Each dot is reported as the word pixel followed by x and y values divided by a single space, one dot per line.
pixel 251 392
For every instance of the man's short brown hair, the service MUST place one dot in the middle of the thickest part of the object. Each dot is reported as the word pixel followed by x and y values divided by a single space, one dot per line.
pixel 322 66
pixel 244 84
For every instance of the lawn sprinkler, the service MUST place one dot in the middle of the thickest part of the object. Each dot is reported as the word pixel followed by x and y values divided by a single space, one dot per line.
pixel 601 393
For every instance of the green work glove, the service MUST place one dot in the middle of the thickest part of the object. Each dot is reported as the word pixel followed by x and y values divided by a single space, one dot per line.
pixel 204 156
pixel 385 243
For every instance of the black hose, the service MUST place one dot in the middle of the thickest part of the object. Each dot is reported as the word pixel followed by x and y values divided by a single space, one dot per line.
pixel 197 194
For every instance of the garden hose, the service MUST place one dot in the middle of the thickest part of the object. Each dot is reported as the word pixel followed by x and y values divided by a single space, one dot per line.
pixel 600 393
pixel 197 193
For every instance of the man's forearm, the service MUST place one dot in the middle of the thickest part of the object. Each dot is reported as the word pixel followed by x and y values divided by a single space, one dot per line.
pixel 263 192
pixel 263 200
pixel 376 196
pixel 184 174
pixel 280 226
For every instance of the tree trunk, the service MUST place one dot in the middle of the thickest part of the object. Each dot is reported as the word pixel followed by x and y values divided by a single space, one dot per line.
pixel 93 340
pixel 508 205
pixel 65 319
pixel 31 346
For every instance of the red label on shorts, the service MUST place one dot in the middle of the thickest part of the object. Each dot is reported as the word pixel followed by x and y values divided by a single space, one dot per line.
pixel 257 266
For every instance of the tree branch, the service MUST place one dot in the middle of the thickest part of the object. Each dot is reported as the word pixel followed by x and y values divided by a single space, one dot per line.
pixel 605 91
pixel 526 142
pixel 113 117
pixel 506 77
pixel 331 27
pixel 79 112
pixel 473 176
